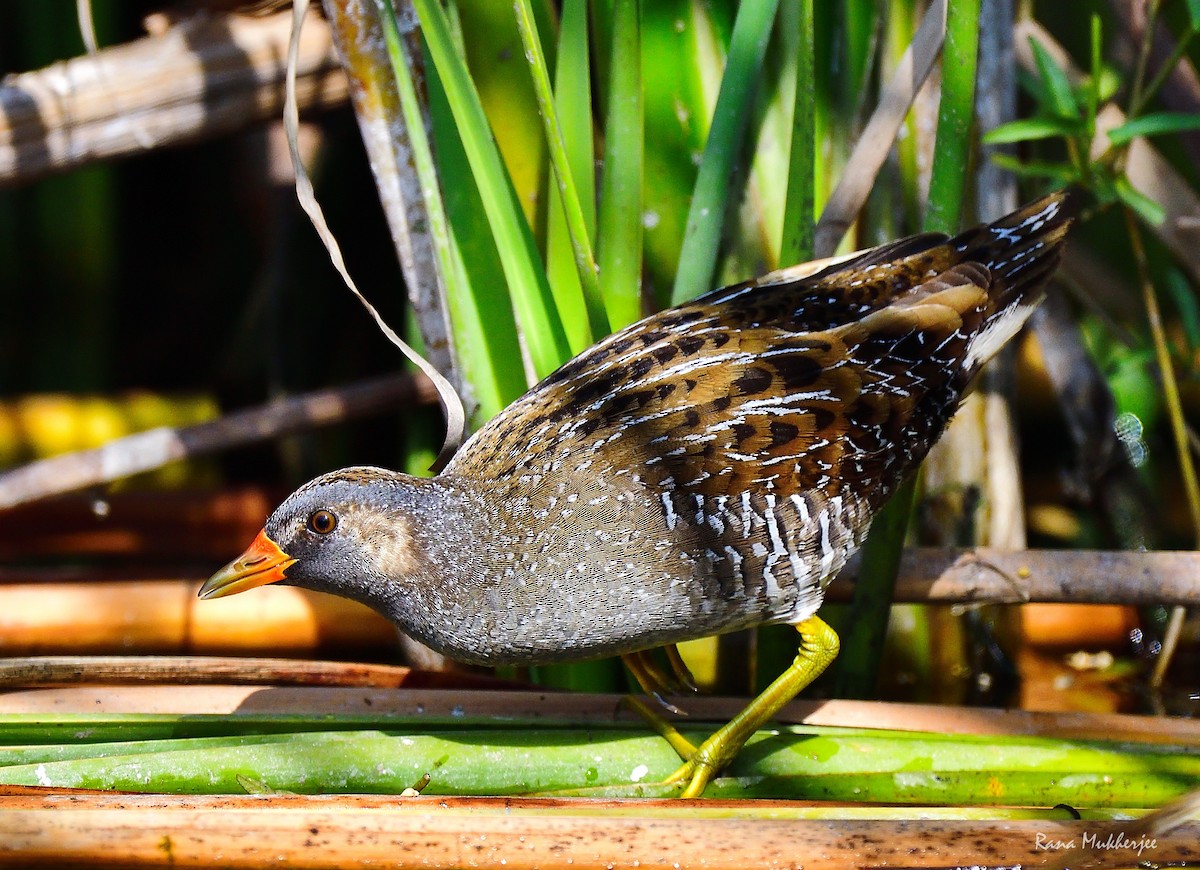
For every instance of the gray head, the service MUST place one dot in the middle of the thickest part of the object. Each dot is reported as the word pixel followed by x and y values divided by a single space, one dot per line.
pixel 348 532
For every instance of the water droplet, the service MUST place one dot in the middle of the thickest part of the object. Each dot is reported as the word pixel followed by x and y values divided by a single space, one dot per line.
pixel 1129 430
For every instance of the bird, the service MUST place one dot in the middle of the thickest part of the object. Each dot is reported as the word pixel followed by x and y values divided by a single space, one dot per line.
pixel 707 469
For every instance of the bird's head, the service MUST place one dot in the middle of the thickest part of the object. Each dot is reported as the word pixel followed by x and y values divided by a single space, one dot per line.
pixel 343 532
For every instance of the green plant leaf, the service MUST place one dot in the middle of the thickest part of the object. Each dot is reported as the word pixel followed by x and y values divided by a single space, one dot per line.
pixel 522 266
pixel 573 99
pixel 1193 8
pixel 702 239
pixel 1057 94
pixel 481 311
pixel 1155 124
pixel 1062 173
pixel 620 231
pixel 797 242
pixel 1110 83
pixel 1028 129
pixel 1184 297
pixel 1146 208
pixel 579 299
pixel 675 61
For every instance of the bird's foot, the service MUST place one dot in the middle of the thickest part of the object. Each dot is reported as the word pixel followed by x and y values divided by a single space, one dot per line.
pixel 698 770
pixel 818 647
pixel 700 763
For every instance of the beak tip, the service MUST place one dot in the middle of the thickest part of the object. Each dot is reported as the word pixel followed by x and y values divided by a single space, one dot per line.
pixel 262 563
pixel 218 584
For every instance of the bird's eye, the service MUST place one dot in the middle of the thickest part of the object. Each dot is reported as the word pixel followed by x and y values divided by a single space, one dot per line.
pixel 322 522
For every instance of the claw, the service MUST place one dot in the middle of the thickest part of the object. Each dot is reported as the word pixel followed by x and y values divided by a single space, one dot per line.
pixel 653 680
pixel 683 673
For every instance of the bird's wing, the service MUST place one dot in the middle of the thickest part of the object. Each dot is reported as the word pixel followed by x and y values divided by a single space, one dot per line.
pixel 716 410
pixel 735 394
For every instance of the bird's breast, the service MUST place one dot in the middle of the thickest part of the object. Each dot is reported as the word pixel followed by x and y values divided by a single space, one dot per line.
pixel 621 562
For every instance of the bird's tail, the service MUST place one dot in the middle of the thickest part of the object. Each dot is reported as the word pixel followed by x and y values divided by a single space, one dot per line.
pixel 1020 250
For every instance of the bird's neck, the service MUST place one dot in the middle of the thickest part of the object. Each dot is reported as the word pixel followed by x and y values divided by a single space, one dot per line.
pixel 430 586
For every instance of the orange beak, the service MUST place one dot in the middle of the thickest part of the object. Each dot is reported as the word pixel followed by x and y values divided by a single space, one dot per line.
pixel 262 563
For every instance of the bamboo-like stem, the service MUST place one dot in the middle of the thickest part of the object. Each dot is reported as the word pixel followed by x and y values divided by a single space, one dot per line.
pixel 14 797
pixel 164 616
pixel 797 243
pixel 513 758
pixel 195 670
pixel 36 716
pixel 622 198
pixel 952 154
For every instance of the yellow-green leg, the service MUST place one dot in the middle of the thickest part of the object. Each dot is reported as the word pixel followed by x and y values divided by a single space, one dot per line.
pixel 818 647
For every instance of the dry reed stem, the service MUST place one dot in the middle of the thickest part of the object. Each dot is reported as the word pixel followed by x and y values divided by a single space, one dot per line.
pixel 150 530
pixel 873 146
pixel 146 451
pixel 131 831
pixel 202 670
pixel 202 77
